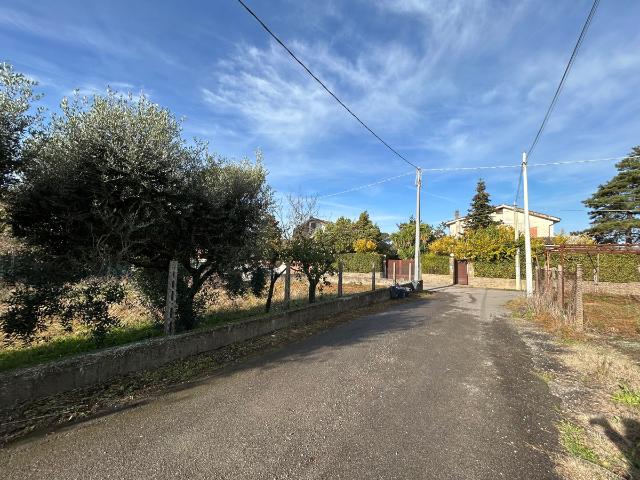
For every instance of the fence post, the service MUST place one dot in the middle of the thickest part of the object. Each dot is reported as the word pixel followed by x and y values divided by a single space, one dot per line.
pixel 339 279
pixel 561 287
pixel 537 291
pixel 172 299
pixel 410 272
pixel 579 320
pixel 452 268
pixel 287 286
pixel 373 275
pixel 394 272
pixel 385 268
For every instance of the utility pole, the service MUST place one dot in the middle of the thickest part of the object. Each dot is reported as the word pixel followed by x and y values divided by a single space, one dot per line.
pixel 517 235
pixel 417 274
pixel 527 230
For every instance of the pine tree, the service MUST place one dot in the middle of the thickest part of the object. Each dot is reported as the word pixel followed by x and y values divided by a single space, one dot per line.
pixel 615 206
pixel 480 211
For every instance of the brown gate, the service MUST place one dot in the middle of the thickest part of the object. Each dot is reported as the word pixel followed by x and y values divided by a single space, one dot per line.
pixel 461 276
pixel 401 268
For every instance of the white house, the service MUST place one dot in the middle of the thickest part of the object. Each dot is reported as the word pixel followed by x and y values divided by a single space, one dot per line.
pixel 540 224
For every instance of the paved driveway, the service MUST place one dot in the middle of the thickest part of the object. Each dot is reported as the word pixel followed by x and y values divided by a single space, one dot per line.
pixel 438 388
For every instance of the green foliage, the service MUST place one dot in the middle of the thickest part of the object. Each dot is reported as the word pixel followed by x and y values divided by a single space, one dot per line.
pixel 615 268
pixel 480 211
pixel 315 257
pixel 572 439
pixel 360 262
pixel 16 121
pixel 615 206
pixel 33 308
pixel 344 234
pixel 404 239
pixel 503 268
pixel 434 264
pixel 30 310
pixel 113 184
pixel 627 396
pixel 89 303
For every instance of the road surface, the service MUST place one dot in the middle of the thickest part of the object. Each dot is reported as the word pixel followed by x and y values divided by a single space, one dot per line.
pixel 436 389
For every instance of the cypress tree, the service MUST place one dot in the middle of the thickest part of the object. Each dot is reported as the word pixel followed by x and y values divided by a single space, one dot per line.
pixel 615 206
pixel 479 215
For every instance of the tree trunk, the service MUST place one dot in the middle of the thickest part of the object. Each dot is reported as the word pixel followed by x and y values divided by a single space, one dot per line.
pixel 186 314
pixel 312 290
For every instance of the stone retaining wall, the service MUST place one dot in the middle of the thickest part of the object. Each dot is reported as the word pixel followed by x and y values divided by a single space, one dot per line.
pixel 31 383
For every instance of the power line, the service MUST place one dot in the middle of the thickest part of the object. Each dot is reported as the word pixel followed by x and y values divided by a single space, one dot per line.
pixel 574 54
pixel 361 187
pixel 275 37
pixel 478 168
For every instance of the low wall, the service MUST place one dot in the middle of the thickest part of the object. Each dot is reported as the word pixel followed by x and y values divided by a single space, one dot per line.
pixel 631 288
pixel 31 383
pixel 498 283
pixel 365 279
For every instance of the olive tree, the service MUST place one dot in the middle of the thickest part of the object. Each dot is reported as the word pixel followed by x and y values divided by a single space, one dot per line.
pixel 111 185
pixel 17 119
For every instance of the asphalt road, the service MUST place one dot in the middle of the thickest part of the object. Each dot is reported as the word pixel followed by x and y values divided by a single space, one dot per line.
pixel 438 388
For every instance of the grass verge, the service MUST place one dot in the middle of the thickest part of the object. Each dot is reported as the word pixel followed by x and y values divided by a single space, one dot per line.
pixel 572 438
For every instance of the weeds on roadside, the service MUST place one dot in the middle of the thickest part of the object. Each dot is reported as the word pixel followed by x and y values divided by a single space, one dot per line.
pixel 627 396
pixel 572 439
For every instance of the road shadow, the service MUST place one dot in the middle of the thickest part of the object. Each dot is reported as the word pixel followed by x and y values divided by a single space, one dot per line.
pixel 627 442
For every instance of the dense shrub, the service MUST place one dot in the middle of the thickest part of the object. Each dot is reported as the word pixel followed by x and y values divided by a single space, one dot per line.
pixel 435 264
pixel 505 268
pixel 616 268
pixel 361 262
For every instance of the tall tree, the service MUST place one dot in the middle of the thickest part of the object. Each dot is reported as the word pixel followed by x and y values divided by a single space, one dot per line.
pixel 615 206
pixel 113 184
pixel 342 233
pixel 365 229
pixel 480 211
pixel 17 118
pixel 404 239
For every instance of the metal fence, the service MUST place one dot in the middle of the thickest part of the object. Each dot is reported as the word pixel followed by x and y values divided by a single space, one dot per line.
pixel 559 293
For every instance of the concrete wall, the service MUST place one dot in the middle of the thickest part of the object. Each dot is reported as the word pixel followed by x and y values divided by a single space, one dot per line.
pixel 428 280
pixel 631 288
pixel 94 368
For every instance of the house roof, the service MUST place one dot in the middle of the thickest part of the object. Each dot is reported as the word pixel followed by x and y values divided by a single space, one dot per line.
pixel 503 206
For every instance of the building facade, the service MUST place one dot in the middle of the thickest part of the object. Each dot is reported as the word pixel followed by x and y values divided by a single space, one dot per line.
pixel 540 224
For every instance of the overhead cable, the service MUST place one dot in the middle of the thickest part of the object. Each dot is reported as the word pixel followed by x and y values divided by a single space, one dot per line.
pixel 322 84
pixel 572 59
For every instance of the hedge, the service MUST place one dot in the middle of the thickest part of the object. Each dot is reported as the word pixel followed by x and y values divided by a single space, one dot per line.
pixel 360 262
pixel 505 268
pixel 614 268
pixel 435 264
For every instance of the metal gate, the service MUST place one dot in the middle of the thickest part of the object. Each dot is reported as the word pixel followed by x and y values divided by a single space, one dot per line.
pixel 403 269
pixel 461 275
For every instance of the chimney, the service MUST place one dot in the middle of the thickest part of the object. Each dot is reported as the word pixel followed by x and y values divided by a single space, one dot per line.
pixel 456 214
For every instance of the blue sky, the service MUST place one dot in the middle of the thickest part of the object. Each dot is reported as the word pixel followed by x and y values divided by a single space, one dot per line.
pixel 447 83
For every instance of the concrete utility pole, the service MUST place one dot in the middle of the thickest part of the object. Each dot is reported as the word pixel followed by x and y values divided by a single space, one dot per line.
pixel 527 230
pixel 517 235
pixel 417 274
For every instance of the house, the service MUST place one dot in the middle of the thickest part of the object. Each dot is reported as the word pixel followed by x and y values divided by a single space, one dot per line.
pixel 311 226
pixel 540 224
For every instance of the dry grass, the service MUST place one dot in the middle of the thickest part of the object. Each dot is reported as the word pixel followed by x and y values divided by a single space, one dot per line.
pixel 598 384
pixel 613 314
